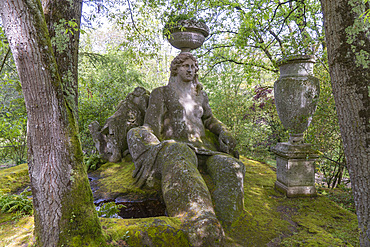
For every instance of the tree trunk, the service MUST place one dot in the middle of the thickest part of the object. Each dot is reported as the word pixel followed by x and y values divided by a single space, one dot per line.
pixel 63 204
pixel 348 40
pixel 57 14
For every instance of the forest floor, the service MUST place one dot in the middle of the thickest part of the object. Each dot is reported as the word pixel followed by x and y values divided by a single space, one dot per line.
pixel 269 219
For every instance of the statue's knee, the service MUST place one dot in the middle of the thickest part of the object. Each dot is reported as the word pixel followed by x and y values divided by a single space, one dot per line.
pixel 225 166
pixel 175 152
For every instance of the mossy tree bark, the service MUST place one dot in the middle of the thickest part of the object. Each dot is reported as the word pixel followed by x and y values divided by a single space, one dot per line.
pixel 63 204
pixel 63 18
pixel 348 43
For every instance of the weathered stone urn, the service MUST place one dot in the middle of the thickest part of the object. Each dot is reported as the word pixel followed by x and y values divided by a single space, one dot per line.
pixel 296 95
pixel 187 35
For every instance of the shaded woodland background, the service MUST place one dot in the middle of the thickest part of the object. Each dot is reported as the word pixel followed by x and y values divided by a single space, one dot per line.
pixel 122 46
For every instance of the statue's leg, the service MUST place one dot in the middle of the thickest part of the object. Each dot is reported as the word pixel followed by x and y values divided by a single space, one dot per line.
pixel 227 174
pixel 186 195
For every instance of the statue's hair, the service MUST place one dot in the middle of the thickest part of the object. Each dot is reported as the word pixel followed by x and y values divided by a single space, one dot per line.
pixel 179 59
pixel 177 62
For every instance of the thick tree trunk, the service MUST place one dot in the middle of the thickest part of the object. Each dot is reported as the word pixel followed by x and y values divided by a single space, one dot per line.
pixel 348 40
pixel 63 204
pixel 57 14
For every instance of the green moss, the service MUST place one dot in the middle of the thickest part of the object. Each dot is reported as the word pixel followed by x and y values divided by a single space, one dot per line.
pixel 268 217
pixel 157 231
pixel 14 178
pixel 117 179
pixel 15 232
pixel 261 222
pixel 80 225
pixel 322 223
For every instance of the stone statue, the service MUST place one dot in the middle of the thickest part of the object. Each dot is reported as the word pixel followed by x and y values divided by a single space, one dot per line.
pixel 111 139
pixel 177 138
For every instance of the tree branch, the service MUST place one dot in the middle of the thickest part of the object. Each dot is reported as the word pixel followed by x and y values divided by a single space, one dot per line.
pixel 336 162
pixel 239 63
pixel 4 60
pixel 133 21
pixel 217 47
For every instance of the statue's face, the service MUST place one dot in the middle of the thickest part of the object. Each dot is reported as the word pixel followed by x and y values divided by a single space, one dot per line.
pixel 187 70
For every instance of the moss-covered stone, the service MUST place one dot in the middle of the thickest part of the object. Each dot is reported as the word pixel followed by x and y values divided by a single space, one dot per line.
pixel 157 231
pixel 113 180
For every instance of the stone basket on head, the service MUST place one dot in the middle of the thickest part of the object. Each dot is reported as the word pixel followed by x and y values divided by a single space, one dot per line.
pixel 187 35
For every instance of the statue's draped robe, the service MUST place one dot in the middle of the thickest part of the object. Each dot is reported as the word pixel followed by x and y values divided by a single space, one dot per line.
pixel 170 118
pixel 166 151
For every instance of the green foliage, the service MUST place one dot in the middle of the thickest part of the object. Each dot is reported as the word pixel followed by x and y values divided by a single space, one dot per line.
pixel 20 204
pixel 259 32
pixel 109 210
pixel 93 162
pixel 104 80
pixel 341 195
pixel 324 133
pixel 174 21
pixel 13 117
pixel 107 73
pixel 246 108
pixel 366 14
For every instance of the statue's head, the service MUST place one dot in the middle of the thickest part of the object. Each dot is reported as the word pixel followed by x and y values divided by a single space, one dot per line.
pixel 179 59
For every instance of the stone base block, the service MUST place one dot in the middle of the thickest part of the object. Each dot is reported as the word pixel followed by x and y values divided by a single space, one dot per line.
pixel 295 169
pixel 295 191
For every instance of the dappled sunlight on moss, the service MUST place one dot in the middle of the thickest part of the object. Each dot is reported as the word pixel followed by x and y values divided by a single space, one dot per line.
pixel 14 178
pixel 15 232
pixel 163 231
pixel 117 178
pixel 271 218
pixel 323 221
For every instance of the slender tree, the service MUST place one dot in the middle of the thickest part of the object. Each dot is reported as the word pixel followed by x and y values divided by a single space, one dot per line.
pixel 62 198
pixel 348 42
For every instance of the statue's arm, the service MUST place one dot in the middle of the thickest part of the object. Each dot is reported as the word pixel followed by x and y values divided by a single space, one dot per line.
pixel 154 113
pixel 225 138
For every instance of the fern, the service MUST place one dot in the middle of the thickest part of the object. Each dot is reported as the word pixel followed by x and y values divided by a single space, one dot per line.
pixel 20 204
pixel 109 210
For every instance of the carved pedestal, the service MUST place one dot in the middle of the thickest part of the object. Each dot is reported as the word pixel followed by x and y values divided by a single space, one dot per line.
pixel 295 169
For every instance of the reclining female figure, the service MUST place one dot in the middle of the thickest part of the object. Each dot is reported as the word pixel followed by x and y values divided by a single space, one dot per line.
pixel 173 143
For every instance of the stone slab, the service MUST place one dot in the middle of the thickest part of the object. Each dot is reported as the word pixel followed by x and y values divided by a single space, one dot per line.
pixel 295 191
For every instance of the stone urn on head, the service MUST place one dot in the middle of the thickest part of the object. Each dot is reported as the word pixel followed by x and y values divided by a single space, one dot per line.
pixel 296 95
pixel 187 34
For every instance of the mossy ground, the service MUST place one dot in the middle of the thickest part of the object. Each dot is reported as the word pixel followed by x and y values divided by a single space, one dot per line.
pixel 15 232
pixel 14 178
pixel 269 219
pixel 116 179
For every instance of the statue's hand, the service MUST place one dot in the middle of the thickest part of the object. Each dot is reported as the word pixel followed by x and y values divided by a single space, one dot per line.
pixel 227 142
